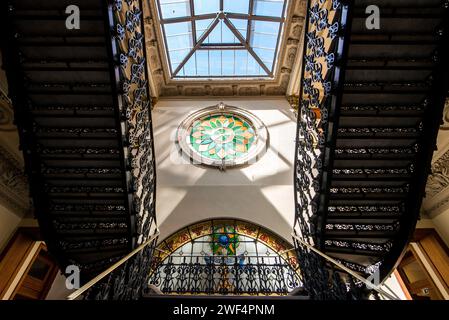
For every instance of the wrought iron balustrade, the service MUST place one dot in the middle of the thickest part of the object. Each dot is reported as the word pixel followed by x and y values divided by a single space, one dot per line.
pixel 326 32
pixel 127 46
pixel 228 275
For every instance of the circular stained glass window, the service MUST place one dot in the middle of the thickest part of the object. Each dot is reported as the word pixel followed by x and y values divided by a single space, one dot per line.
pixel 222 136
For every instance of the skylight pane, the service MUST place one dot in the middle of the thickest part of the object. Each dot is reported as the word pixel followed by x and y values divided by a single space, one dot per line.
pixel 226 34
pixel 202 62
pixel 201 26
pixel 253 67
pixel 215 62
pixel 264 40
pixel 267 56
pixel 273 8
pixel 178 36
pixel 236 6
pixel 174 8
pixel 176 56
pixel 221 53
pixel 221 34
pixel 206 6
pixel 215 35
pixel 228 62
pixel 190 67
pixel 241 62
pixel 241 26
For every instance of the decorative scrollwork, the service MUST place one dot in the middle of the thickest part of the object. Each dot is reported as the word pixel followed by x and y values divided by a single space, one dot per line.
pixel 130 279
pixel 252 278
pixel 324 32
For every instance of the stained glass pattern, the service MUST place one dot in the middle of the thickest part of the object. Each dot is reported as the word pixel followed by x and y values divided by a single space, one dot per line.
pixel 222 136
pixel 225 257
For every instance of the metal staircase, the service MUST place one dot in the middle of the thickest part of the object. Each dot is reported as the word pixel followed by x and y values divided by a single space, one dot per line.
pixel 396 81
pixel 376 130
pixel 371 105
pixel 83 116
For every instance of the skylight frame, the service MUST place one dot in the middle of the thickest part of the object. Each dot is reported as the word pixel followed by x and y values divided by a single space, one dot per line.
pixel 245 40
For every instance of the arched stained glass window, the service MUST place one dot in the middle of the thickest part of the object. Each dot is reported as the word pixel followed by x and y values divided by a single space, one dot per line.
pixel 225 257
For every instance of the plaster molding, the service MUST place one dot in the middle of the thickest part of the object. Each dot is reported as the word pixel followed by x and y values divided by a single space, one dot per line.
pixel 445 124
pixel 161 85
pixel 437 187
pixel 14 192
pixel 438 180
pixel 6 113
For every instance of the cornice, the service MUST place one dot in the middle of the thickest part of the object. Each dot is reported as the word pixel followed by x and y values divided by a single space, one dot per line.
pixel 14 192
pixel 289 52
pixel 6 113
pixel 437 187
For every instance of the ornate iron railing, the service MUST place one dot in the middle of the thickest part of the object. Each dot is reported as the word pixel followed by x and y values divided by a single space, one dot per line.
pixel 257 276
pixel 326 31
pixel 133 103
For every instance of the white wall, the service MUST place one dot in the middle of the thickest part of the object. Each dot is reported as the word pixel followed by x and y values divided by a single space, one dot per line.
pixel 441 222
pixel 261 193
pixel 9 222
pixel 392 286
pixel 58 290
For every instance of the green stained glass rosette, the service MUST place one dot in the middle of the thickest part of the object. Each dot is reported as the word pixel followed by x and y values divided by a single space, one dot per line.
pixel 220 137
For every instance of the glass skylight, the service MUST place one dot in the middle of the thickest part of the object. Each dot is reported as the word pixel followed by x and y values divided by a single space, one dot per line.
pixel 221 38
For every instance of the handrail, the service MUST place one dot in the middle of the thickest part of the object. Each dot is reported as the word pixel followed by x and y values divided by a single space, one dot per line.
pixel 341 266
pixel 92 282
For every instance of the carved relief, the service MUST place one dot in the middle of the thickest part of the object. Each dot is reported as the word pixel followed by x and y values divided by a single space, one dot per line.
pixel 13 183
pixel 169 91
pixel 222 91
pixel 194 91
pixel 291 56
pixel 249 91
pixel 445 125
pixel 439 179
pixel 275 91
pixel 296 33
pixel 154 60
pixel 6 114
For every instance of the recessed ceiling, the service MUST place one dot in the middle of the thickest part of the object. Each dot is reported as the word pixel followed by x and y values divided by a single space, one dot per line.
pixel 221 38
pixel 223 48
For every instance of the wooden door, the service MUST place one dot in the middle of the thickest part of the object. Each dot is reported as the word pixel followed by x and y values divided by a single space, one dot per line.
pixel 26 269
pixel 38 279
pixel 424 268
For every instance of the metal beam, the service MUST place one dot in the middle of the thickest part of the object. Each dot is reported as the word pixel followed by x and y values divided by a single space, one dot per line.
pixel 221 47
pixel 247 46
pixel 253 17
pixel 192 13
pixel 248 29
pixel 229 14
pixel 189 18
pixel 198 44
pixel 219 44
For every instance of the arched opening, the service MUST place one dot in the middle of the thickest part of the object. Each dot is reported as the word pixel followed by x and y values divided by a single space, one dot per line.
pixel 225 257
